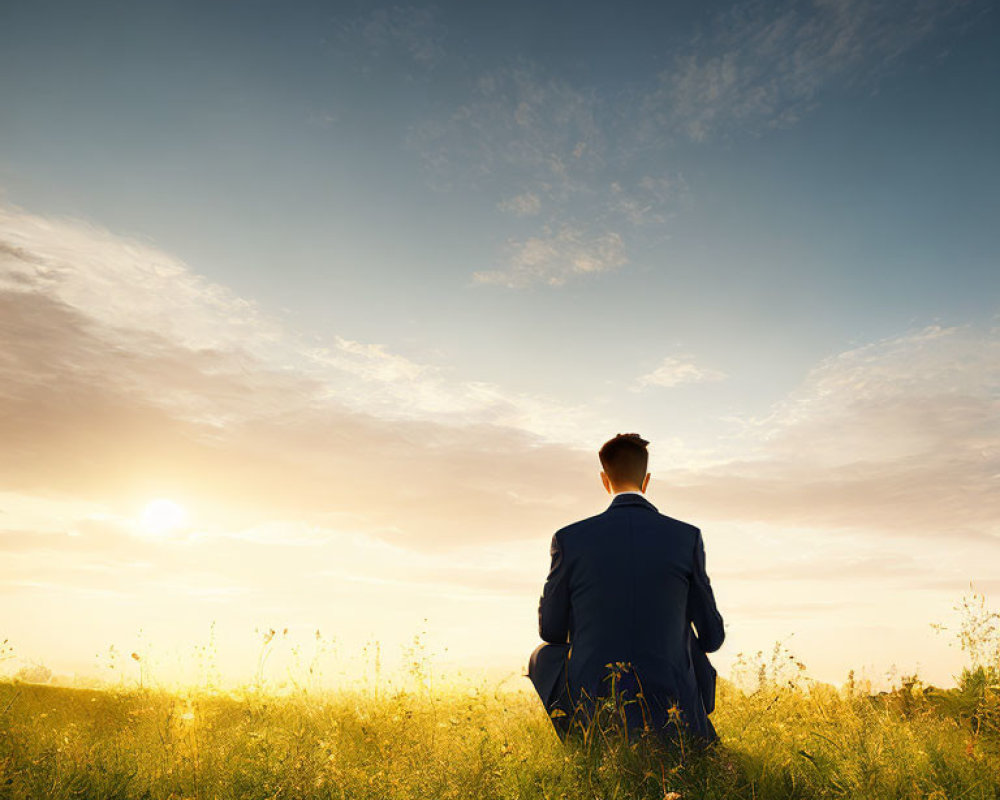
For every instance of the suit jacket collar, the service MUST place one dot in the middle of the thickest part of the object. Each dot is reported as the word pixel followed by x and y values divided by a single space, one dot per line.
pixel 631 500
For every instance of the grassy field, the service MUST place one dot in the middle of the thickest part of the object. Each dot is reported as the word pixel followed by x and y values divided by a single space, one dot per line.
pixel 781 740
pixel 782 735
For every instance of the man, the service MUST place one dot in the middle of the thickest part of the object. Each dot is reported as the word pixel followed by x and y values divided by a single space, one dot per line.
pixel 624 588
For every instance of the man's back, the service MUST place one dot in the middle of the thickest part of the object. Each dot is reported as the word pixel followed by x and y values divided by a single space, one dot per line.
pixel 624 587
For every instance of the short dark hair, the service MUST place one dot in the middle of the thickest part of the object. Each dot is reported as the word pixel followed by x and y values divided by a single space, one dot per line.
pixel 625 458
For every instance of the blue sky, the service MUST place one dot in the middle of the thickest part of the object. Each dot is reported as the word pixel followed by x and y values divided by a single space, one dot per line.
pixel 319 160
pixel 763 235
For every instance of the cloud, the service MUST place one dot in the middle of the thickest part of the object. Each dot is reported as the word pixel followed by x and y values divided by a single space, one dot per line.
pixel 125 284
pixel 674 371
pixel 373 362
pixel 192 332
pixel 516 127
pixel 646 203
pixel 899 437
pixel 373 380
pixel 540 143
pixel 556 257
pixel 523 205
pixel 124 376
pixel 763 66
pixel 540 146
pixel 579 157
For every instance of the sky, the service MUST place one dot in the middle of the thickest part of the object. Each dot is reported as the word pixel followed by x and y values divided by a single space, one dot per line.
pixel 314 316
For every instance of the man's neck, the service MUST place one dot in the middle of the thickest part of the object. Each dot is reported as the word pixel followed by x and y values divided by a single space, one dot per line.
pixel 627 491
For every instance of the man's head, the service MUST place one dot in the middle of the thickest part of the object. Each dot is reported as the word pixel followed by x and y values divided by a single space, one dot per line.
pixel 624 459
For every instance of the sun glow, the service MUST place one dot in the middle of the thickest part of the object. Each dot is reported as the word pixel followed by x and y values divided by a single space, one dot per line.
pixel 161 517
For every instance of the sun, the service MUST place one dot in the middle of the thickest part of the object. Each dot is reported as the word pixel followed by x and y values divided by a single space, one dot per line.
pixel 162 516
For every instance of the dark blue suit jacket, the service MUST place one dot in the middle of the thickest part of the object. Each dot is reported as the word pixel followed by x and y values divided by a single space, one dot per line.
pixel 625 586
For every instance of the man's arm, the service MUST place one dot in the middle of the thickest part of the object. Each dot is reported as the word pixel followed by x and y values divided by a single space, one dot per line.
pixel 553 607
pixel 701 603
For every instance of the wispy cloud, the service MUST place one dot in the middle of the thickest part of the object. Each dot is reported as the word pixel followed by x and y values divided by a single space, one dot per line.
pixel 674 371
pixel 557 256
pixel 900 436
pixel 603 165
pixel 540 145
pixel 763 66
pixel 520 128
pixel 523 205
pixel 370 379
pixel 196 335
pixel 649 202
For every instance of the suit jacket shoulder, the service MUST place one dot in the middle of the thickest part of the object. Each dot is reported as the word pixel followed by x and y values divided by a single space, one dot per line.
pixel 580 524
pixel 680 524
pixel 576 528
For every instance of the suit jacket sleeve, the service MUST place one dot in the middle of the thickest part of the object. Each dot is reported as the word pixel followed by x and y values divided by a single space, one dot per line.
pixel 704 674
pixel 553 607
pixel 701 603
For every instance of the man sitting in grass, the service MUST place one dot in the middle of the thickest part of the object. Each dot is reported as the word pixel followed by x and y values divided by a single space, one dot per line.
pixel 616 612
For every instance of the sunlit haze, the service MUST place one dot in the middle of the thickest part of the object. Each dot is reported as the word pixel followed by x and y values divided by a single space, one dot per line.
pixel 313 317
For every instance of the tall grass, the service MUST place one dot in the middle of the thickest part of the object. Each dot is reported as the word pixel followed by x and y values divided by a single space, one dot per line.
pixel 782 736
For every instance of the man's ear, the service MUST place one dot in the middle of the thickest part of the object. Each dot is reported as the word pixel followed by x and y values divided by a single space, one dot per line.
pixel 645 483
pixel 605 481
